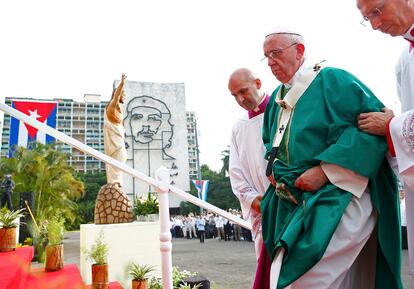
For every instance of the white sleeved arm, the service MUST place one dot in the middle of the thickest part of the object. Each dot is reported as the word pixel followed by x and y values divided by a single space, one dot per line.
pixel 398 68
pixel 240 186
pixel 393 163
pixel 401 131
pixel 345 179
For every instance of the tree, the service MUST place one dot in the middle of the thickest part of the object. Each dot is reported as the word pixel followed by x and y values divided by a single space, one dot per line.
pixel 225 158
pixel 187 207
pixel 93 183
pixel 44 170
pixel 220 193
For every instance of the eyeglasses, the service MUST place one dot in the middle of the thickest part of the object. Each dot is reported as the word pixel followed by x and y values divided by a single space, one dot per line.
pixel 274 54
pixel 374 14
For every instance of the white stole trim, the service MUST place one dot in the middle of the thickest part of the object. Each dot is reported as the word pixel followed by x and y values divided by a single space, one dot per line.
pixel 290 100
pixel 339 176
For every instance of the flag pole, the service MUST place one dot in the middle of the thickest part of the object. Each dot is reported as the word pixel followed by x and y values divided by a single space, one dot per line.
pixel 31 215
pixel 198 159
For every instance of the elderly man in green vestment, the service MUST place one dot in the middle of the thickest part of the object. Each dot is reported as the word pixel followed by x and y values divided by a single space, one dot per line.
pixel 330 216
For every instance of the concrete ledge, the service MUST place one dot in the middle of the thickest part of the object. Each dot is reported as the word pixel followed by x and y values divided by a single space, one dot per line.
pixel 128 242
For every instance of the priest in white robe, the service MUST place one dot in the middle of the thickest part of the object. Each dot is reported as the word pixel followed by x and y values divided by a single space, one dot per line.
pixel 396 18
pixel 247 164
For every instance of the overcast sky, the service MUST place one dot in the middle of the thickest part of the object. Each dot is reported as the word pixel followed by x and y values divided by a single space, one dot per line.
pixel 66 49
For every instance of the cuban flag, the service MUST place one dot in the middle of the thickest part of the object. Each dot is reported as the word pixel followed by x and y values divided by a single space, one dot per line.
pixel 202 188
pixel 20 133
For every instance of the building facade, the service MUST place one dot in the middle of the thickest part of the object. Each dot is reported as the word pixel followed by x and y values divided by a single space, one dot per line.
pixel 156 134
pixel 83 121
pixel 193 163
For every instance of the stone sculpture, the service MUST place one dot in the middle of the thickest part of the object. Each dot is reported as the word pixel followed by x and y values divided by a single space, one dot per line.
pixel 112 204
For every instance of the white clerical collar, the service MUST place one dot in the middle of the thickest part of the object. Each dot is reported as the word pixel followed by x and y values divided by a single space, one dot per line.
pixel 409 35
pixel 298 73
pixel 257 109
pixel 301 80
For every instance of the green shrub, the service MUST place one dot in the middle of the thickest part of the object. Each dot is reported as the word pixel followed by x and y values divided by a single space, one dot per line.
pixel 98 254
pixel 139 272
pixel 28 241
pixel 55 231
pixel 39 239
pixel 8 218
pixel 44 170
pixel 177 275
pixel 145 206
pixel 188 286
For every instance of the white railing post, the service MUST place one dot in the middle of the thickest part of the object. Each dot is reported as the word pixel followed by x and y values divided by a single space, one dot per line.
pixel 163 178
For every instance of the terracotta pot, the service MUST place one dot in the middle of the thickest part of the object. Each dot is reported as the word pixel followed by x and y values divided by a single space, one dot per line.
pixel 139 284
pixel 7 239
pixel 100 276
pixel 54 257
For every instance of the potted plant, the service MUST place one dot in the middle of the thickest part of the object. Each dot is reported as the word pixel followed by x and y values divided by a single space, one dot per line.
pixel 98 255
pixel 146 207
pixel 139 275
pixel 39 239
pixel 188 286
pixel 177 276
pixel 54 248
pixel 9 220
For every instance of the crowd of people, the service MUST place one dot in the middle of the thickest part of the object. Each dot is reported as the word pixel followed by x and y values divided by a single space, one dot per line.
pixel 208 225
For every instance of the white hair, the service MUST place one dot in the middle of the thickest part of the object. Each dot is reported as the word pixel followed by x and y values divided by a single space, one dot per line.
pixel 288 32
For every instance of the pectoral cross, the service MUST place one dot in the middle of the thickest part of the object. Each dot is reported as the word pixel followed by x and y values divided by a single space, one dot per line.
pixel 318 66
pixel 282 128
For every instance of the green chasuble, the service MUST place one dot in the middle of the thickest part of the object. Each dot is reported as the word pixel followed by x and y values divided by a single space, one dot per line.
pixel 323 127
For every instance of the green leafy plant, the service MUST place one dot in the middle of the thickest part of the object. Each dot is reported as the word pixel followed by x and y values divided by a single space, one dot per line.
pixel 45 170
pixel 98 254
pixel 188 286
pixel 55 231
pixel 28 241
pixel 8 218
pixel 146 205
pixel 139 272
pixel 39 239
pixel 155 283
pixel 180 275
pixel 177 275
